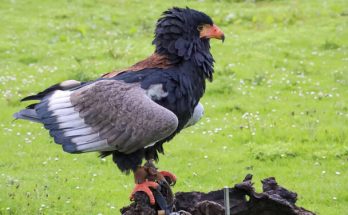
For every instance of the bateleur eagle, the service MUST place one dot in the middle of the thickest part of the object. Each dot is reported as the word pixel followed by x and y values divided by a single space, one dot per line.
pixel 130 113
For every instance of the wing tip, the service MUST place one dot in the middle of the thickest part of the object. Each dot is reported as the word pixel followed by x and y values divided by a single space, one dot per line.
pixel 70 148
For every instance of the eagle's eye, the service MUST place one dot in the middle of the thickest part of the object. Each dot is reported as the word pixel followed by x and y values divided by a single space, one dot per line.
pixel 200 27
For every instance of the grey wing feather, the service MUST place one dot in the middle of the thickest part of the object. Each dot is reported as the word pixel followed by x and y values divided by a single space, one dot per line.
pixel 112 115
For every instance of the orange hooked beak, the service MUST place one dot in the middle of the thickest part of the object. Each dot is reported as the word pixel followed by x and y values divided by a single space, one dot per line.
pixel 212 31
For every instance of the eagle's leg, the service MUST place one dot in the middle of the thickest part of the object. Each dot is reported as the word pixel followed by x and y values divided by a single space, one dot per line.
pixel 147 177
pixel 143 183
pixel 159 176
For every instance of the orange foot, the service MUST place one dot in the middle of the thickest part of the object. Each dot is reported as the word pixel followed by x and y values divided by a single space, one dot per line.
pixel 145 187
pixel 170 177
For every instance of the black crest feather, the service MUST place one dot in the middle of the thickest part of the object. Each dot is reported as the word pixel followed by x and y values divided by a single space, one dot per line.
pixel 177 37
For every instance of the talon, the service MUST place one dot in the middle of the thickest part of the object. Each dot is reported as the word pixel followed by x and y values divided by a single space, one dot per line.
pixel 170 177
pixel 145 187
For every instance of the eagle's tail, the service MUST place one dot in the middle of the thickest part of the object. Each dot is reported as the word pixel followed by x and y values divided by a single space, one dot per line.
pixel 27 114
pixel 30 113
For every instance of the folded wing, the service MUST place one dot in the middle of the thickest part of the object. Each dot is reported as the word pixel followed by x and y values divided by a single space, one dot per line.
pixel 106 115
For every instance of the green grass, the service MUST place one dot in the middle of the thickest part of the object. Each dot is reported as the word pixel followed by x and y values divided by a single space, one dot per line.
pixel 278 105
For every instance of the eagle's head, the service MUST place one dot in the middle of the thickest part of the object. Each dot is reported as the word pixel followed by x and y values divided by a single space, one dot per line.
pixel 183 34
